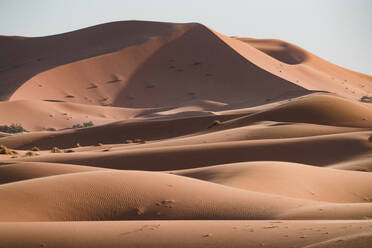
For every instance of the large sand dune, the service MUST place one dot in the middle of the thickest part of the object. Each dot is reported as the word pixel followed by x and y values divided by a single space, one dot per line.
pixel 198 140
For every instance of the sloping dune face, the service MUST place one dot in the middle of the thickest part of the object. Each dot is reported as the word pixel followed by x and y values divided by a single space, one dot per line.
pixel 163 71
pixel 308 70
pixel 183 137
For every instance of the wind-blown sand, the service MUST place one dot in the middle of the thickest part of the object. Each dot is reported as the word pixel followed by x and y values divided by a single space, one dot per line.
pixel 199 140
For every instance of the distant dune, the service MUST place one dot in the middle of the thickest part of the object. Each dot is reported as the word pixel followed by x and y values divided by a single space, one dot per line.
pixel 145 134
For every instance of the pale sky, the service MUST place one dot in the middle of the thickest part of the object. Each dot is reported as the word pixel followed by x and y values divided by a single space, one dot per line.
pixel 339 31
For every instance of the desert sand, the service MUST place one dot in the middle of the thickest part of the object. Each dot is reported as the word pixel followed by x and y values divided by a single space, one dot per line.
pixel 195 139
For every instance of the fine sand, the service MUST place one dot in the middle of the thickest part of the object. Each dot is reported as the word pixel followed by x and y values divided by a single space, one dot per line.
pixel 197 140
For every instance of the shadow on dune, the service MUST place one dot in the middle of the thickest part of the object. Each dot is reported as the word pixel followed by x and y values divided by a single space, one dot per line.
pixel 22 58
pixel 200 66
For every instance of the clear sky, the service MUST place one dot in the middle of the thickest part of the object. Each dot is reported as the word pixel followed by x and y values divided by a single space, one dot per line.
pixel 337 30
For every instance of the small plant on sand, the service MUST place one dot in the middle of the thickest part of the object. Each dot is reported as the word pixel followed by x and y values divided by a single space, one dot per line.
pixel 77 126
pixel 367 99
pixel 55 150
pixel 30 154
pixel 196 63
pixel 88 124
pixel 35 149
pixel 13 128
pixel 215 123
pixel 69 151
pixel 85 124
pixel 5 150
pixel 70 96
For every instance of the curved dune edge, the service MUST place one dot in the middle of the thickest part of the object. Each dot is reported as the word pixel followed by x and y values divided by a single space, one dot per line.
pixel 124 195
pixel 125 79
pixel 317 150
pixel 330 113
pixel 281 178
pixel 19 171
pixel 289 179
pixel 279 234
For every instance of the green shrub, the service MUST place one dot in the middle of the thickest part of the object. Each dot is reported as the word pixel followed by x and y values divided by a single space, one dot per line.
pixel 13 128
pixel 366 99
pixel 85 124
pixel 77 126
pixel 88 124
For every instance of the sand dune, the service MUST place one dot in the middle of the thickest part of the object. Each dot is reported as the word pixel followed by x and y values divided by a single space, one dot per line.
pixel 14 172
pixel 283 234
pixel 317 150
pixel 199 140
pixel 318 109
pixel 116 195
pixel 59 115
pixel 308 70
pixel 289 179
pixel 25 57
pixel 149 80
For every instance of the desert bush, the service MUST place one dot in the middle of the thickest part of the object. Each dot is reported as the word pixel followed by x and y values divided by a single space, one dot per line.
pixel 30 154
pixel 366 99
pixel 13 128
pixel 85 124
pixel 55 150
pixel 5 150
pixel 88 124
pixel 35 149
pixel 77 126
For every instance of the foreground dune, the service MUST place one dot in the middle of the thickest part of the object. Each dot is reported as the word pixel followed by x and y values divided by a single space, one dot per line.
pixel 198 140
pixel 283 234
pixel 123 195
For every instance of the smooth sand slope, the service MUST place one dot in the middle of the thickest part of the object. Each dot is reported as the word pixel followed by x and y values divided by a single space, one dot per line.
pixel 199 140
pixel 289 179
pixel 309 71
pixel 123 195
pixel 282 234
